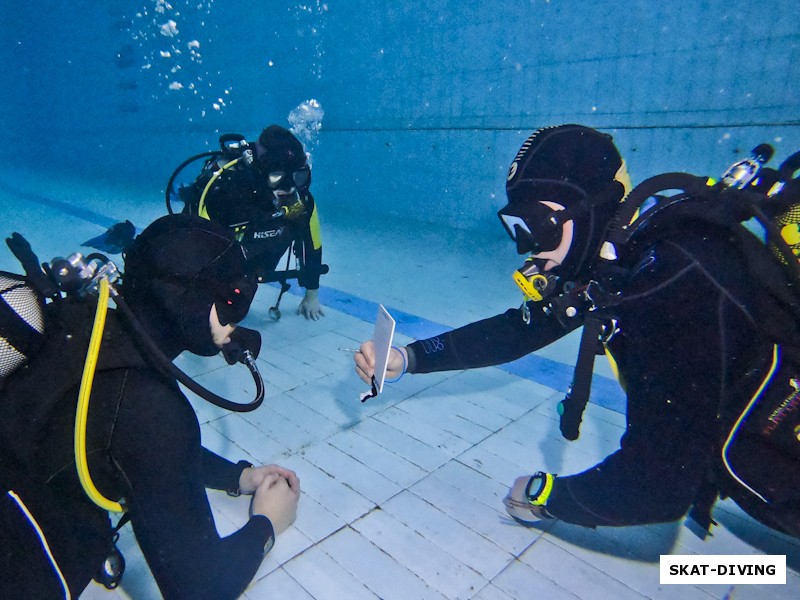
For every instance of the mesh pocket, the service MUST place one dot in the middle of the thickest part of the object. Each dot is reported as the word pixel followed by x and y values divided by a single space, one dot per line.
pixel 21 322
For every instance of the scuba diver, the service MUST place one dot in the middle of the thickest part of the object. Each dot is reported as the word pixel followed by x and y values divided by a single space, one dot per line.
pixel 698 313
pixel 260 190
pixel 185 288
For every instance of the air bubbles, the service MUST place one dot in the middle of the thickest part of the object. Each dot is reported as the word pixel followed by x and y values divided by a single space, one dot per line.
pixel 306 122
pixel 169 35
pixel 169 29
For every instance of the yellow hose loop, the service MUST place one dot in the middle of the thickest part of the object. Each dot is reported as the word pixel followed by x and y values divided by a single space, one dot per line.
pixel 201 207
pixel 82 412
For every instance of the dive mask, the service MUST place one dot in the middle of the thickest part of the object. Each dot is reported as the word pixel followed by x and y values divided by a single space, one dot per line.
pixel 283 180
pixel 531 226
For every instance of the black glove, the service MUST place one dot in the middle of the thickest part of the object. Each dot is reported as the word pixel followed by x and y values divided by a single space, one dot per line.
pixel 30 262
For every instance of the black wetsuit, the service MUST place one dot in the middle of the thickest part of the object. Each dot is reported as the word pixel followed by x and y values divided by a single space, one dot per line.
pixel 689 320
pixel 240 199
pixel 143 445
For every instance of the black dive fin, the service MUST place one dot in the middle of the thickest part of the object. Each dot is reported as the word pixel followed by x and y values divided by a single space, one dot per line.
pixel 115 240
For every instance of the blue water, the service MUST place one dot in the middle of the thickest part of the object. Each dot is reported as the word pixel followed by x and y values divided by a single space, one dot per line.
pixel 425 103
pixel 422 105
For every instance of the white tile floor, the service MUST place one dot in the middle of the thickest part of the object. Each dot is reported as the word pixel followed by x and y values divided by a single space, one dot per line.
pixel 401 495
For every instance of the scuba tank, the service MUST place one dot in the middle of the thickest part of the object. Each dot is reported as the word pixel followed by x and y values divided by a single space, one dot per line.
pixel 746 191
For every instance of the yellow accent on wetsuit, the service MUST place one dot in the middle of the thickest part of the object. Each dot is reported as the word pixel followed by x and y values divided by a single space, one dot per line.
pixel 614 366
pixel 624 178
pixel 316 234
pixel 42 541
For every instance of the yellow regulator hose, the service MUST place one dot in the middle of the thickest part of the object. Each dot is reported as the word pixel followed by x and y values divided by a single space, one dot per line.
pixel 82 411
pixel 201 207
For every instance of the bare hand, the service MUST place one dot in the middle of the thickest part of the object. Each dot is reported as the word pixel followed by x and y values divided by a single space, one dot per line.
pixel 252 477
pixel 310 307
pixel 365 362
pixel 276 499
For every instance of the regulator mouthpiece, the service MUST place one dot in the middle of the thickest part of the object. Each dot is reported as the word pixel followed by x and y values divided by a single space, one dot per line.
pixel 244 346
pixel 533 283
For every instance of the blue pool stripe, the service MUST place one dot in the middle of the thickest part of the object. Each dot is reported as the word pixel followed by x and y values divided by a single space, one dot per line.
pixel 59 205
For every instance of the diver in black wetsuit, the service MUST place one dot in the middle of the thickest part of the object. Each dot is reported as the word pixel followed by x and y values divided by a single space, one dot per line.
pixel 266 200
pixel 185 281
pixel 684 332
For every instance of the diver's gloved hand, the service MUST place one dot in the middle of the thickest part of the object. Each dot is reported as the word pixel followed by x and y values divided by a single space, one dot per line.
pixel 526 500
pixel 30 263
pixel 310 307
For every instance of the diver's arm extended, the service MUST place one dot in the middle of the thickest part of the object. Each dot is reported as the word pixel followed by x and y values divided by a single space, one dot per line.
pixel 492 341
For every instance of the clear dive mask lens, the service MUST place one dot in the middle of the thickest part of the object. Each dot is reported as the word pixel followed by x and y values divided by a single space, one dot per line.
pixel 274 179
pixel 533 283
pixel 300 178
pixel 518 230
pixel 513 225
